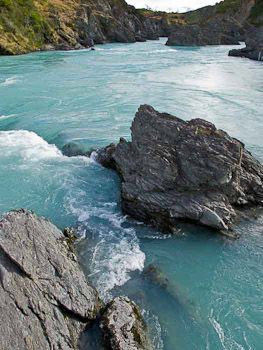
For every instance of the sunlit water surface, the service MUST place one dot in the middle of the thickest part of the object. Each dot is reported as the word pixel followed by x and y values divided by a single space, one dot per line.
pixel 214 297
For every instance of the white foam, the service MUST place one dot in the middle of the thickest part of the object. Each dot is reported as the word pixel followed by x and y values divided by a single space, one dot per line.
pixel 114 250
pixel 84 216
pixel 118 49
pixel 110 204
pixel 10 81
pixel 28 145
pixel 93 156
pixel 112 263
pixel 163 50
pixel 5 116
pixel 219 330
pixel 153 324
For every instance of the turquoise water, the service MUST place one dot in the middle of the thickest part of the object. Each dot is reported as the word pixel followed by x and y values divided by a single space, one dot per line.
pixel 214 297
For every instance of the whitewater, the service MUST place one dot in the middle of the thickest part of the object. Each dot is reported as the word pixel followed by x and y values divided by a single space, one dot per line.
pixel 214 299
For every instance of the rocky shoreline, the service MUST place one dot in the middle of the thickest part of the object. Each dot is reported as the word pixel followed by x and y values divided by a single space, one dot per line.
pixel 66 25
pixel 216 31
pixel 46 301
pixel 175 171
pixel 254 45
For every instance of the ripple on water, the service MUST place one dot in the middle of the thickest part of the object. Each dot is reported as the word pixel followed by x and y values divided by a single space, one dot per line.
pixel 10 81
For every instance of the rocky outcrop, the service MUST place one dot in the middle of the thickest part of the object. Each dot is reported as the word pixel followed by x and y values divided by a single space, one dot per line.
pixel 45 300
pixel 113 21
pixel 28 25
pixel 225 23
pixel 65 25
pixel 217 31
pixel 122 326
pixel 254 45
pixel 174 170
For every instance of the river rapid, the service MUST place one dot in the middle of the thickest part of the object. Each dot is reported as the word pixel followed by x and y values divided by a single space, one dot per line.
pixel 213 297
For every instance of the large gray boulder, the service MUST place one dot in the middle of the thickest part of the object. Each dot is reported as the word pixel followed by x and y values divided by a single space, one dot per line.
pixel 174 170
pixel 45 299
pixel 123 327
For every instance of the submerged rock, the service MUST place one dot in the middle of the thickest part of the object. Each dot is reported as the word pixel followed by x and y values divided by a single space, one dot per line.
pixel 45 299
pixel 174 170
pixel 122 326
pixel 153 273
pixel 72 149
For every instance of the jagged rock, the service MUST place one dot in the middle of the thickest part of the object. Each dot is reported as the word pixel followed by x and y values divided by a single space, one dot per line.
pixel 254 45
pixel 104 156
pixel 45 300
pixel 174 170
pixel 122 326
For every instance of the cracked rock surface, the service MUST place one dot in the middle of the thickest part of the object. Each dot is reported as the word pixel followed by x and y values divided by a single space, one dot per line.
pixel 45 300
pixel 175 170
pixel 122 326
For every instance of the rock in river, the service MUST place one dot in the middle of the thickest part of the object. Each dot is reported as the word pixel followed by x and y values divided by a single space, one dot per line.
pixel 122 326
pixel 176 170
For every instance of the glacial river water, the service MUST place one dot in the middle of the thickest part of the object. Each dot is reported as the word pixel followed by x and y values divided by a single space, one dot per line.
pixel 213 300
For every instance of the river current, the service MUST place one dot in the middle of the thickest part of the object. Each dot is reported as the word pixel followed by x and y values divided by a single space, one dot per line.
pixel 213 297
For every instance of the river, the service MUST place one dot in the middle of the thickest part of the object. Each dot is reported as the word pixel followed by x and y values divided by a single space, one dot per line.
pixel 213 300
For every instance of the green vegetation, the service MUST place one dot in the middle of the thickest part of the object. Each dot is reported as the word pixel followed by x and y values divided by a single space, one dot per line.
pixel 171 17
pixel 22 26
pixel 256 14
pixel 228 6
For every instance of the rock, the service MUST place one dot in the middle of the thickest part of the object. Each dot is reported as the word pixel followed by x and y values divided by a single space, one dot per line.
pixel 122 326
pixel 185 35
pixel 78 46
pixel 153 273
pixel 254 45
pixel 45 300
pixel 72 149
pixel 216 31
pixel 174 170
pixel 47 48
pixel 104 156
pixel 74 25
